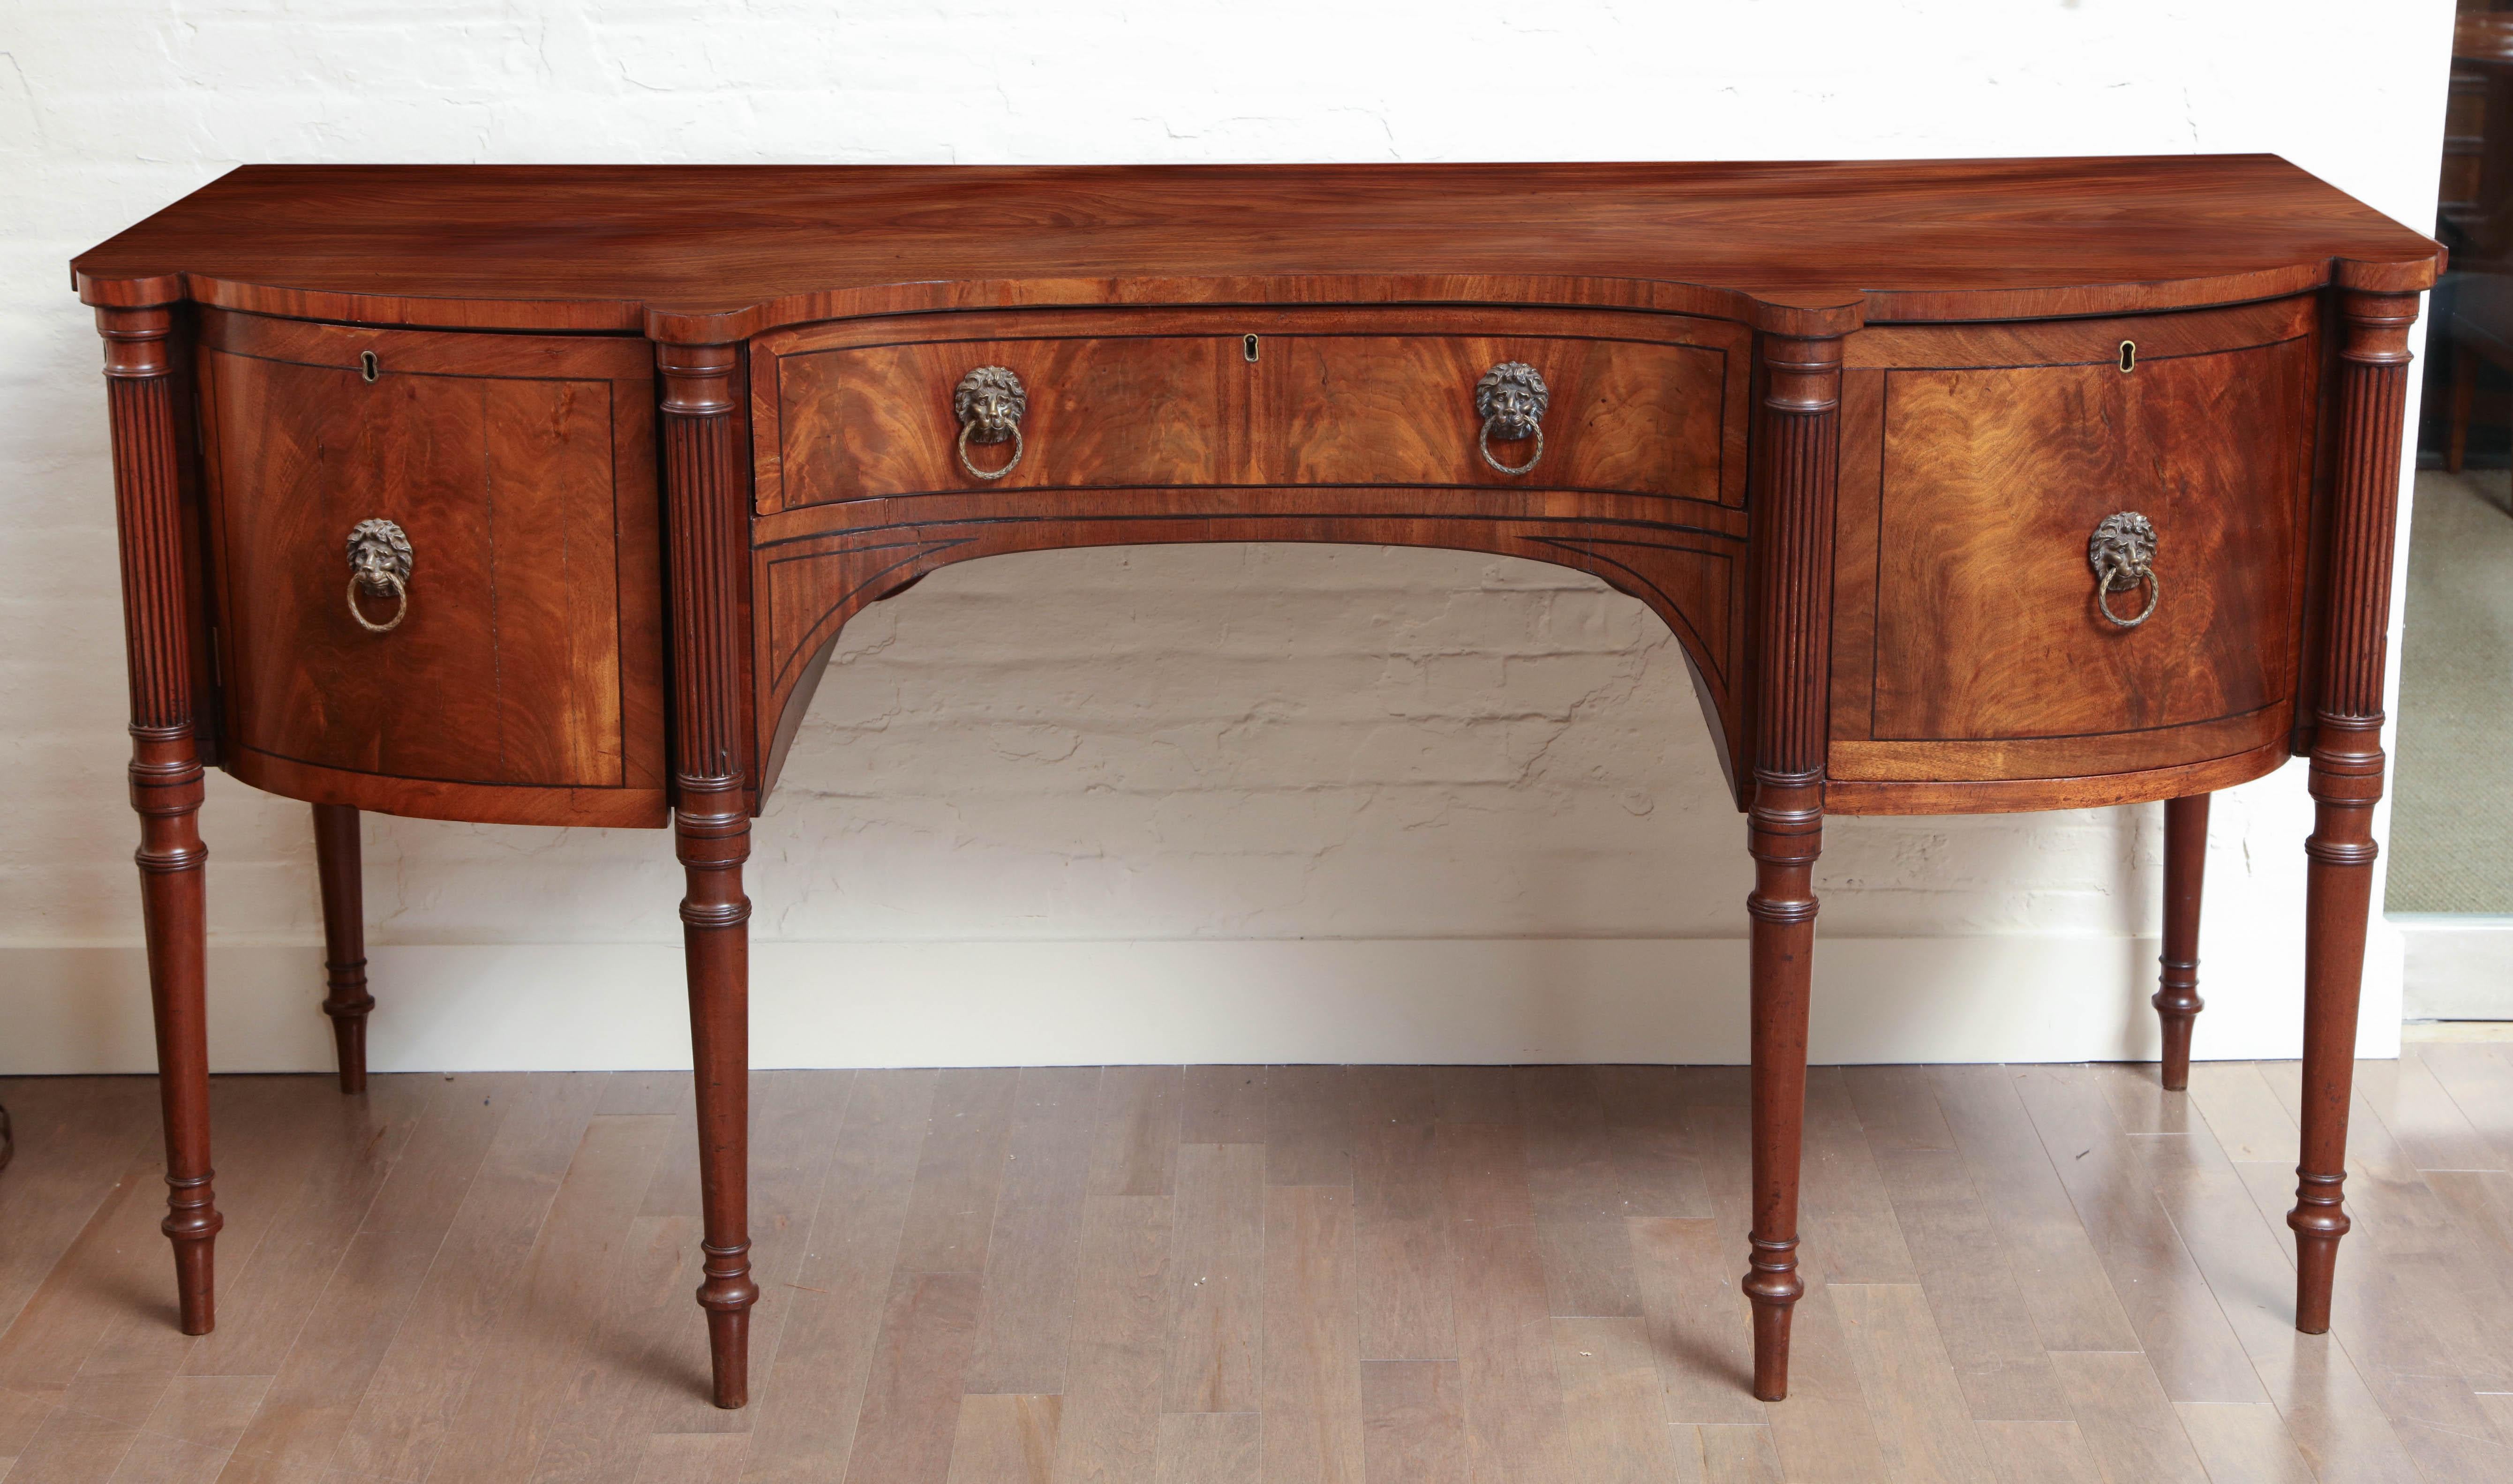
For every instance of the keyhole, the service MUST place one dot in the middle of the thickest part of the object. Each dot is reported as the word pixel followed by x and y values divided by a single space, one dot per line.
pixel 2129 356
pixel 1247 348
pixel 368 369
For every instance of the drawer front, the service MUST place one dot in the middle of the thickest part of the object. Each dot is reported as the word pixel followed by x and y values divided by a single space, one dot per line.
pixel 1967 527
pixel 1641 404
pixel 524 664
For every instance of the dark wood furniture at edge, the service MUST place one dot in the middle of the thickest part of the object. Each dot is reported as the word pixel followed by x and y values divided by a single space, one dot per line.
pixel 1844 426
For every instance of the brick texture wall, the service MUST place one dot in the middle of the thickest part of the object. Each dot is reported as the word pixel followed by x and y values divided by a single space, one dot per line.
pixel 1228 743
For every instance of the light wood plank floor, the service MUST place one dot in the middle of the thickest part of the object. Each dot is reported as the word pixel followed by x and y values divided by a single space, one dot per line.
pixel 1398 1275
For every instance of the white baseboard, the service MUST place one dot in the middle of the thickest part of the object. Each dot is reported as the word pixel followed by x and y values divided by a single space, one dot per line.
pixel 2459 965
pixel 584 1006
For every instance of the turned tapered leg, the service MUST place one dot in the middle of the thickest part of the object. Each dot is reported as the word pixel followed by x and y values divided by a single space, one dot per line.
pixel 2338 898
pixel 345 939
pixel 2346 777
pixel 707 510
pixel 2177 998
pixel 165 779
pixel 1793 577
pixel 166 790
pixel 1784 908
pixel 715 931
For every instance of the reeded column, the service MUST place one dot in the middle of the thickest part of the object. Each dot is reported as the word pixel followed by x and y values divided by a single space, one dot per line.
pixel 345 998
pixel 706 509
pixel 2346 777
pixel 164 778
pixel 1793 621
pixel 2177 998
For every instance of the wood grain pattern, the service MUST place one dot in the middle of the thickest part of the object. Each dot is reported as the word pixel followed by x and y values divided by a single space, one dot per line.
pixel 714 794
pixel 2347 762
pixel 708 253
pixel 337 866
pixel 160 628
pixel 1862 796
pixel 2177 998
pixel 1414 1423
pixel 1004 1438
pixel 1311 1386
pixel 1400 1225
pixel 786 397
pixel 1037 1214
pixel 528 661
pixel 546 1339
pixel 1784 822
pixel 1218 1280
pixel 1994 478
pixel 1643 404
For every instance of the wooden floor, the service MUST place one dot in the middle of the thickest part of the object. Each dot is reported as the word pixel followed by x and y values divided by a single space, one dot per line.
pixel 1398 1275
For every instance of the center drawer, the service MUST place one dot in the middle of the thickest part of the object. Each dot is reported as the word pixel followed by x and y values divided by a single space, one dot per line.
pixel 1633 404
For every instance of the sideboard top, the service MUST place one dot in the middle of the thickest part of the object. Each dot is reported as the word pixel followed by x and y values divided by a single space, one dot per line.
pixel 696 254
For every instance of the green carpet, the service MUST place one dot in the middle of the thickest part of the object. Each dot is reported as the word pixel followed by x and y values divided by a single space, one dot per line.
pixel 2451 819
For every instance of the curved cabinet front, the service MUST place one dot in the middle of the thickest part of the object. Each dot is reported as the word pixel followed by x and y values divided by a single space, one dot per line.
pixel 1646 404
pixel 1976 641
pixel 1611 442
pixel 514 673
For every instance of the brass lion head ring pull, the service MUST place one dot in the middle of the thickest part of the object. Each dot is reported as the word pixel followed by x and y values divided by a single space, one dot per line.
pixel 380 562
pixel 1511 399
pixel 989 402
pixel 2122 554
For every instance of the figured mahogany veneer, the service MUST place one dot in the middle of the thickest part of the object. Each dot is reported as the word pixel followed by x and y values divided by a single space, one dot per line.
pixel 524 684
pixel 1847 428
pixel 1348 425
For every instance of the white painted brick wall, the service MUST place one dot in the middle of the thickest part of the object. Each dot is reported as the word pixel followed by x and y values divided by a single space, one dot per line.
pixel 1112 747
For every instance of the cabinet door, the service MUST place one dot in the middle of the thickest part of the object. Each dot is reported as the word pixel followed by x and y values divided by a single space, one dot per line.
pixel 521 681
pixel 1967 526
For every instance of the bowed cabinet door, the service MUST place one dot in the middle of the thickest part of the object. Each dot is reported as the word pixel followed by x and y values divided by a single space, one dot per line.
pixel 517 678
pixel 1971 646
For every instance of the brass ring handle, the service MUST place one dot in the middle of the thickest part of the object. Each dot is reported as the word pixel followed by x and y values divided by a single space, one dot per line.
pixel 1483 446
pixel 1010 464
pixel 2122 553
pixel 380 563
pixel 1511 399
pixel 989 402
pixel 399 591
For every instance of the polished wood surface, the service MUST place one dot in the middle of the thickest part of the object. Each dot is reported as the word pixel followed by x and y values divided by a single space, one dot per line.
pixel 526 669
pixel 1645 405
pixel 1846 428
pixel 711 812
pixel 2177 998
pixel 1986 626
pixel 160 622
pixel 1979 1308
pixel 1351 425
pixel 713 254
pixel 1784 826
pixel 2347 763
pixel 1980 459
pixel 341 870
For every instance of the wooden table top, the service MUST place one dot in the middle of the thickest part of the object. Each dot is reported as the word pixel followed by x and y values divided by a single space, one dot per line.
pixel 696 254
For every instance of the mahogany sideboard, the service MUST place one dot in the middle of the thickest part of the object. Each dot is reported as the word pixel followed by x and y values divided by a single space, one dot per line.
pixel 540 494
